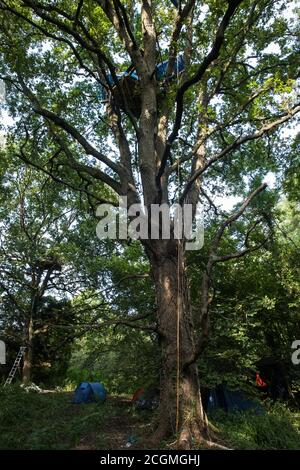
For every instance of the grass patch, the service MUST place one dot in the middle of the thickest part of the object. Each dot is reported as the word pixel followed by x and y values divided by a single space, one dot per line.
pixel 37 421
pixel 51 421
pixel 278 428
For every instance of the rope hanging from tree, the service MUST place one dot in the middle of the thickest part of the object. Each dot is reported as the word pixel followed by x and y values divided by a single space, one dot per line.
pixel 178 317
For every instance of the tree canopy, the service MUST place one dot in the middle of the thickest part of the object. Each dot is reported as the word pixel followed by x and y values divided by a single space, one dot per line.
pixel 162 102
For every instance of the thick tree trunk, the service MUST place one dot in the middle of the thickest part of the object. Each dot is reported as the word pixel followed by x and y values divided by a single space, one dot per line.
pixel 181 410
pixel 27 362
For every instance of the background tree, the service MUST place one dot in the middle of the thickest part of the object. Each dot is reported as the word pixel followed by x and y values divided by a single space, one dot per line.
pixel 35 222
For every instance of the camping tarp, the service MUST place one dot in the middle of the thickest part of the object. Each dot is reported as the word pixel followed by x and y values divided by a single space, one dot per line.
pixel 149 400
pixel 160 71
pixel 137 394
pixel 230 400
pixel 88 392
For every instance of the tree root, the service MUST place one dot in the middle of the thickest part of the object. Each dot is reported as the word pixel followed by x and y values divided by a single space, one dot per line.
pixel 192 436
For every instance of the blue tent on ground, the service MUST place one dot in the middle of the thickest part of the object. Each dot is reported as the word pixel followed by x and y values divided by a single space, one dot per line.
pixel 88 392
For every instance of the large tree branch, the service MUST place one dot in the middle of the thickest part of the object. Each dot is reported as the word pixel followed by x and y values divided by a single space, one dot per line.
pixel 238 143
pixel 117 16
pixel 61 181
pixel 88 43
pixel 60 38
pixel 211 56
pixel 149 35
pixel 181 16
pixel 123 17
pixel 101 77
pixel 213 258
pixel 220 127
pixel 115 120
pixel 236 215
pixel 252 18
pixel 94 326
pixel 12 298
pixel 78 10
pixel 70 129
pixel 238 254
pixel 165 106
pixel 95 173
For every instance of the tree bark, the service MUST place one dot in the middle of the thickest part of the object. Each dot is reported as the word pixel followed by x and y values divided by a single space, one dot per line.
pixel 27 361
pixel 181 410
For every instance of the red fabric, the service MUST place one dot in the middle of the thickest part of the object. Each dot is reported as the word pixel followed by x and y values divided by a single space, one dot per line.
pixel 259 381
pixel 138 394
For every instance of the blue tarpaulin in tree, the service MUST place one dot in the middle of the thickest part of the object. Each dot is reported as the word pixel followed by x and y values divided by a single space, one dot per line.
pixel 160 71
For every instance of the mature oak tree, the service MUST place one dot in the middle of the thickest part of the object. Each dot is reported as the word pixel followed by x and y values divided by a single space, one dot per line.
pixel 142 138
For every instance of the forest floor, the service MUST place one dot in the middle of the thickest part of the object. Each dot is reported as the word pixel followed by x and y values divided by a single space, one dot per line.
pixel 51 421
pixel 40 421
